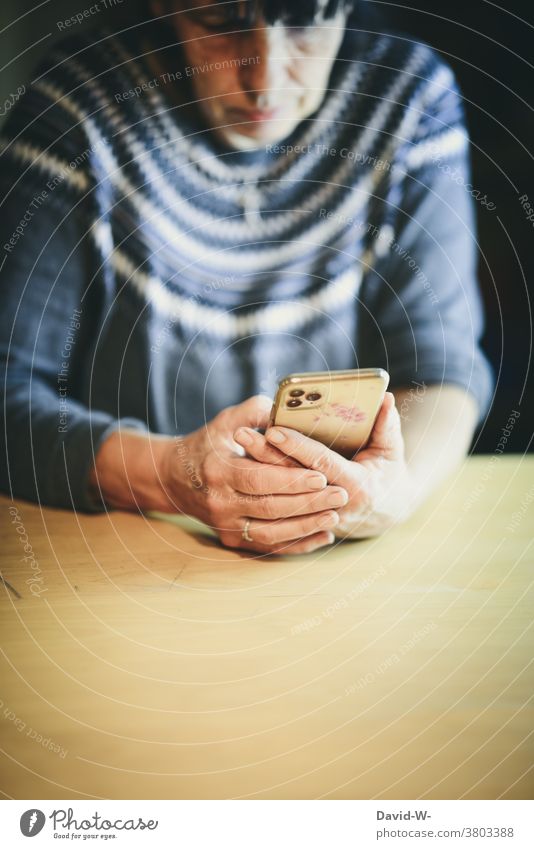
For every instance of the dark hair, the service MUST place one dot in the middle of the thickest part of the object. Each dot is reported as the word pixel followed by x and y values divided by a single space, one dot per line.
pixel 301 12
pixel 294 12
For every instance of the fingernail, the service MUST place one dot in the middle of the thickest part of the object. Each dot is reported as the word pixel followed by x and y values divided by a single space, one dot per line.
pixel 243 436
pixel 316 481
pixel 276 436
pixel 329 520
pixel 330 538
pixel 338 499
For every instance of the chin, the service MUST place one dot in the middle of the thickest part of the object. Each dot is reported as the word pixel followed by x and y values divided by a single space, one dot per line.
pixel 249 137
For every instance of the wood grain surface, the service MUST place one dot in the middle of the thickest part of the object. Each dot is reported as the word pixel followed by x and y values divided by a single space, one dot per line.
pixel 142 660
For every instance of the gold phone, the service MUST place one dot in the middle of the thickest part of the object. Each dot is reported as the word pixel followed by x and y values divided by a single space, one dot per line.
pixel 338 408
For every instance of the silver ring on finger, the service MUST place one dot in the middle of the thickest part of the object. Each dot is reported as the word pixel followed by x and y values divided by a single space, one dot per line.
pixel 245 532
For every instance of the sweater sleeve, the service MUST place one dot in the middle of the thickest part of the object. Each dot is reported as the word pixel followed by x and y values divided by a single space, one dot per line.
pixel 51 308
pixel 423 319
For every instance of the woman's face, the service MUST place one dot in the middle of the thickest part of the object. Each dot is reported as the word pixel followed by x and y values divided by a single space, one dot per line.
pixel 253 83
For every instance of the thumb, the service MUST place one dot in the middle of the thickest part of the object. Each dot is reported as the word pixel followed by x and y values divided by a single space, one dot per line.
pixel 254 412
pixel 386 436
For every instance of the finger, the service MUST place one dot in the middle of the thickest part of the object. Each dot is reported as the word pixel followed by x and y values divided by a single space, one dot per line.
pixel 314 455
pixel 299 546
pixel 252 478
pixel 254 412
pixel 386 436
pixel 284 530
pixel 273 507
pixel 257 447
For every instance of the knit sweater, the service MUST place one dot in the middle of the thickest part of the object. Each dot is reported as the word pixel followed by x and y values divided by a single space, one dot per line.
pixel 151 276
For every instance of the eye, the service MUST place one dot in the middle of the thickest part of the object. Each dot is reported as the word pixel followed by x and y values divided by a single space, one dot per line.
pixel 219 21
pixel 220 26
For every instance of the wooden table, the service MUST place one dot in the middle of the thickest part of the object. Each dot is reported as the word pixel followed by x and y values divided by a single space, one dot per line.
pixel 145 661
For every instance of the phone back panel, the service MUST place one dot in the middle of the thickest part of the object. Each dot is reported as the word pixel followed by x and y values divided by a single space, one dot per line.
pixel 336 408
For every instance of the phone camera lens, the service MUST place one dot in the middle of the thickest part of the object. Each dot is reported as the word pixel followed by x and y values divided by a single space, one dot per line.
pixel 294 402
pixel 313 396
pixel 296 393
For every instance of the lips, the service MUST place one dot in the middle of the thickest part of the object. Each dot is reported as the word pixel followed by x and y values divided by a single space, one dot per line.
pixel 256 115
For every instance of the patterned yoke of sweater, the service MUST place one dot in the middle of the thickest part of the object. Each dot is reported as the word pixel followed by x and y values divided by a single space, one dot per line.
pixel 151 276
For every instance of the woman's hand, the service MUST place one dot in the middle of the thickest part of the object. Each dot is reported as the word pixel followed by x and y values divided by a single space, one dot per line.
pixel 285 507
pixel 378 482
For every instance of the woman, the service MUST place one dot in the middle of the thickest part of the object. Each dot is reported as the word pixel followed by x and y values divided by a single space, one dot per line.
pixel 204 203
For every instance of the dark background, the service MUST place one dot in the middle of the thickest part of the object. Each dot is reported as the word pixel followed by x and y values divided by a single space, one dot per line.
pixel 491 51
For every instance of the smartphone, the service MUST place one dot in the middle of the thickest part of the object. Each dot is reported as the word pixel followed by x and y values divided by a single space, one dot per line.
pixel 338 408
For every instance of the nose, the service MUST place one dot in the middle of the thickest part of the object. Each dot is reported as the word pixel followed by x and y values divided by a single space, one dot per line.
pixel 265 71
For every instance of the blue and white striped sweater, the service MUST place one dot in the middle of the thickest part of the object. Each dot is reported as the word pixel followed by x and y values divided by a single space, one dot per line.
pixel 203 274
